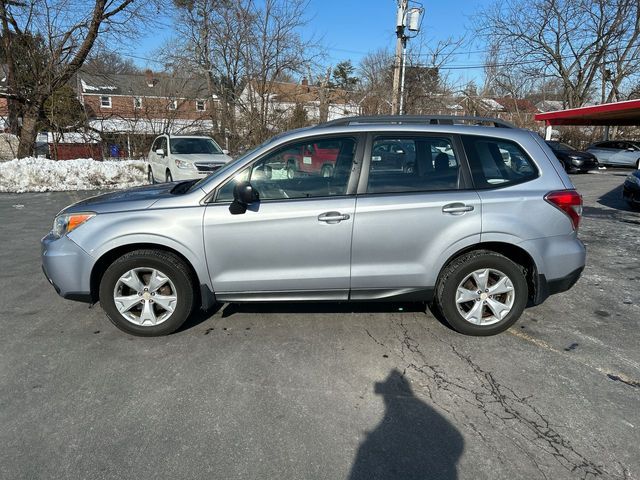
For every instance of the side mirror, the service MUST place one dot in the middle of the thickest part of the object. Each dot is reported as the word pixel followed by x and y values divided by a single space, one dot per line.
pixel 243 195
pixel 225 151
pixel 160 152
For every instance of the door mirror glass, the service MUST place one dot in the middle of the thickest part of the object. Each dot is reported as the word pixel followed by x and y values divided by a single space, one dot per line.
pixel 225 151
pixel 245 194
pixel 160 152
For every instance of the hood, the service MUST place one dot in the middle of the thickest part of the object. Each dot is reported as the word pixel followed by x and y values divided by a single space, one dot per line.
pixel 203 157
pixel 138 198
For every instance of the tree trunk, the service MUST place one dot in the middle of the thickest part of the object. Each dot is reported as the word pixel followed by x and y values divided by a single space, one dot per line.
pixel 29 132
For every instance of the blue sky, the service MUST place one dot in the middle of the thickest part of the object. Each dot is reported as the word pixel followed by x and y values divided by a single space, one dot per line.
pixel 351 28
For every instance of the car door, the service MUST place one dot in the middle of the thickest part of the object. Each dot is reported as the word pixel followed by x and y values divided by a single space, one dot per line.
pixel 602 151
pixel 409 221
pixel 295 243
pixel 162 161
pixel 153 160
pixel 626 155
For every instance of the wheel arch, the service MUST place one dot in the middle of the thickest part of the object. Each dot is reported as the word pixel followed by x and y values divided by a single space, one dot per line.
pixel 514 253
pixel 204 294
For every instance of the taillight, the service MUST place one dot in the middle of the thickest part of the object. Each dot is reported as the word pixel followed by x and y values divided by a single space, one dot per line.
pixel 569 201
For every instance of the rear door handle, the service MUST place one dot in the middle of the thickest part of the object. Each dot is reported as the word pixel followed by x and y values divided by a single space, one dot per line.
pixel 457 208
pixel 333 217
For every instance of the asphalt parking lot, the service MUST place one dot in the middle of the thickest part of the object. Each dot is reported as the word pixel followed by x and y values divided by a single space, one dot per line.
pixel 287 391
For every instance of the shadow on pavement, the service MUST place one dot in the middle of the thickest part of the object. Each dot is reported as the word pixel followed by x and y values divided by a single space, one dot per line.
pixel 613 199
pixel 198 317
pixel 411 442
pixel 324 307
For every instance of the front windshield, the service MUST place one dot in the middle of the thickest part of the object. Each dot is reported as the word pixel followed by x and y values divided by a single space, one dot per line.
pixel 194 146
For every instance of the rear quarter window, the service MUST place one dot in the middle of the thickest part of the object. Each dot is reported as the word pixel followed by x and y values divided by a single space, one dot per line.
pixel 497 162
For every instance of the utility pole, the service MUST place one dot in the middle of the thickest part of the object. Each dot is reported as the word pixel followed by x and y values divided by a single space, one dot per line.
pixel 397 64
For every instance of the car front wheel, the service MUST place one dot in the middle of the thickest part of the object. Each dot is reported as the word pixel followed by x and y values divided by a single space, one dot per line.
pixel 147 292
pixel 482 293
pixel 169 177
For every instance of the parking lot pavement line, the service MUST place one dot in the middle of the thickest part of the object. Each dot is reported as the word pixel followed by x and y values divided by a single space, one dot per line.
pixel 542 344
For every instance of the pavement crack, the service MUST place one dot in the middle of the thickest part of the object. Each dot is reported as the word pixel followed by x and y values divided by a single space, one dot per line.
pixel 493 400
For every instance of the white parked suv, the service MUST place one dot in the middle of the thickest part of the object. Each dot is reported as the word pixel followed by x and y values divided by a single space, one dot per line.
pixel 184 158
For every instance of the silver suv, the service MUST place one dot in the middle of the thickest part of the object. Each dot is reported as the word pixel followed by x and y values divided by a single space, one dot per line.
pixel 478 220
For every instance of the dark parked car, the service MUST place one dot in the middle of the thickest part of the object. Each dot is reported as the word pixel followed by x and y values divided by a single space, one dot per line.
pixel 631 189
pixel 573 161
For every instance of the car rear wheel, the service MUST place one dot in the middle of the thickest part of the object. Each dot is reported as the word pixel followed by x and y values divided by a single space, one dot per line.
pixel 169 177
pixel 147 292
pixel 482 293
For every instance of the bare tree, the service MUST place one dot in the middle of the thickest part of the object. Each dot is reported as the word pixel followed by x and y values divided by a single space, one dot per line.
pixel 376 82
pixel 583 43
pixel 243 46
pixel 277 48
pixel 62 34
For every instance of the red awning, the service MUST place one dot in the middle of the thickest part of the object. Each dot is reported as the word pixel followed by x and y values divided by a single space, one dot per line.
pixel 619 113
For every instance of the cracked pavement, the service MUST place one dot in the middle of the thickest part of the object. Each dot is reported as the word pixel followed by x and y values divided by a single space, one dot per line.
pixel 323 391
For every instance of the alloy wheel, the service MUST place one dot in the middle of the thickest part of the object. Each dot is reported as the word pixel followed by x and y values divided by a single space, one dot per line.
pixel 485 296
pixel 145 296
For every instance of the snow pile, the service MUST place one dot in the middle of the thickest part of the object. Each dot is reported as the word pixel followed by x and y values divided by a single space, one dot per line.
pixel 42 175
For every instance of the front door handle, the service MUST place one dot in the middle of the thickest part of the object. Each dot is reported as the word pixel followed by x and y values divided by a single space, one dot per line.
pixel 457 208
pixel 333 217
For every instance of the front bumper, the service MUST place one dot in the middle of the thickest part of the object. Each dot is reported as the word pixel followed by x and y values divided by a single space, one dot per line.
pixel 67 267
pixel 577 166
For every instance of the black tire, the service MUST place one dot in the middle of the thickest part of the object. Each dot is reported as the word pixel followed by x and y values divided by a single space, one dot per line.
pixel 326 171
pixel 150 176
pixel 454 273
pixel 170 265
pixel 638 164
pixel 169 177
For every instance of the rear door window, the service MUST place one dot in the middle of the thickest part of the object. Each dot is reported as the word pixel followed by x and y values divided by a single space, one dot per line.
pixel 412 164
pixel 497 162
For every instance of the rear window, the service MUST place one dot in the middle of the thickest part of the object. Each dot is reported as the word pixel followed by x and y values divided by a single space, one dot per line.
pixel 496 162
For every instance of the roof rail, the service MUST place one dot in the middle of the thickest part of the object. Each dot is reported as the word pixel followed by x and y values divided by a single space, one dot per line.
pixel 418 119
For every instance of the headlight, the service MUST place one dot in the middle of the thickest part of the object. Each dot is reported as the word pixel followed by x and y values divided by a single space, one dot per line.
pixel 183 164
pixel 633 179
pixel 68 222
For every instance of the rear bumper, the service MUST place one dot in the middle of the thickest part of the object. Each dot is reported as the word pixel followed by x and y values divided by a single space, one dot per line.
pixel 545 287
pixel 559 261
pixel 67 268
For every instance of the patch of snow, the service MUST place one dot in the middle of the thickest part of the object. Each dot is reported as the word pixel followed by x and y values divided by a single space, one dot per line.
pixel 491 104
pixel 73 137
pixel 90 88
pixel 42 175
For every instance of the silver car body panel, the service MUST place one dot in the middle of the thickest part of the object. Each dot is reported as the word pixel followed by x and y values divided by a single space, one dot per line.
pixel 391 244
